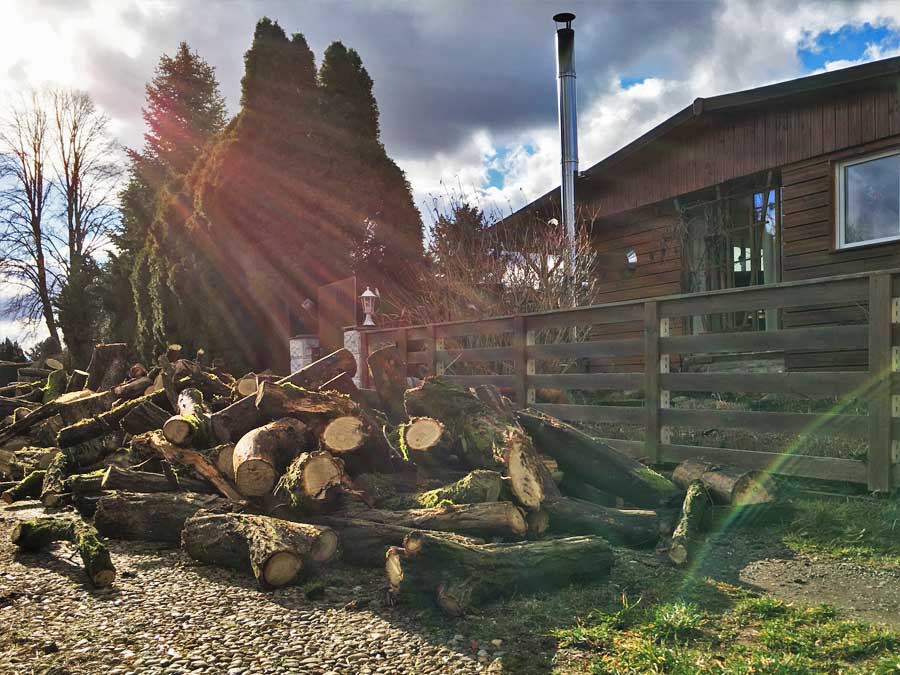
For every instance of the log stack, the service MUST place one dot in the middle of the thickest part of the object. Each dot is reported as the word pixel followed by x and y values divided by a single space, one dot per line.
pixel 459 497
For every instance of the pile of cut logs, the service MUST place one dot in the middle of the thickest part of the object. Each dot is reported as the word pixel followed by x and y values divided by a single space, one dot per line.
pixel 454 493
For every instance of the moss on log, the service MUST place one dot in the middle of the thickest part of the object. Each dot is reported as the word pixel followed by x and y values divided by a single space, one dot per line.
pixel 691 523
pixel 27 488
pixel 37 535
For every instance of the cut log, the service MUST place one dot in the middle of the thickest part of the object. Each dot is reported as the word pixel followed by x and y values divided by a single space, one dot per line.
pixel 726 485
pixel 153 443
pixel 388 374
pixel 538 523
pixel 572 487
pixel 37 535
pixel 314 408
pixel 596 463
pixel 55 385
pixel 140 370
pixel 388 489
pixel 242 415
pixel 54 486
pixel 150 516
pixel 106 422
pixel 349 438
pixel 458 576
pixel 261 455
pixel 133 388
pixel 8 406
pixel 491 519
pixel 487 441
pixel 191 426
pixel 426 442
pixel 32 374
pixel 477 487
pixel 210 384
pixel 364 542
pixel 129 480
pixel 693 514
pixel 223 456
pixel 247 385
pixel 273 550
pixel 108 367
pixel 77 381
pixel 344 384
pixel 634 528
pixel 27 488
pixel 145 417
pixel 54 364
pixel 311 480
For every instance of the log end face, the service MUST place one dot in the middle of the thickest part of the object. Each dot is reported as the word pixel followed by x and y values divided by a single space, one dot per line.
pixel 103 578
pixel 453 598
pixel 678 553
pixel 326 546
pixel 255 477
pixel 281 569
pixel 393 566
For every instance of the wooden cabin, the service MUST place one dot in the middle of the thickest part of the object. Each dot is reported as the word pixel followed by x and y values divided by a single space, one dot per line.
pixel 795 180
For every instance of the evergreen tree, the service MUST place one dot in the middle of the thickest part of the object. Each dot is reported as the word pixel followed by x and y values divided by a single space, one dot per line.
pixel 184 110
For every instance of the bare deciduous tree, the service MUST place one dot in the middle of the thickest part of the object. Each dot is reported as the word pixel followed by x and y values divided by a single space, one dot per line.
pixel 25 189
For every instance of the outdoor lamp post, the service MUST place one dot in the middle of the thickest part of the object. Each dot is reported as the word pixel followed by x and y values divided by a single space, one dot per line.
pixel 368 299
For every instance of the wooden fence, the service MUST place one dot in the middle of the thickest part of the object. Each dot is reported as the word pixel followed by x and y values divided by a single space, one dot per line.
pixel 516 353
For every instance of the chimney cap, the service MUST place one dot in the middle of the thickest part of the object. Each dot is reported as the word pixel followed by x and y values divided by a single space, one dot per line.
pixel 564 17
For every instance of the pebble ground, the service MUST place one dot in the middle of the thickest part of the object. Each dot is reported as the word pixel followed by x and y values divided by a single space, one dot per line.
pixel 167 614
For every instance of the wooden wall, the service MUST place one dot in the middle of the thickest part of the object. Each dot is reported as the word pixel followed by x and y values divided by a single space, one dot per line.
pixel 809 252
pixel 718 147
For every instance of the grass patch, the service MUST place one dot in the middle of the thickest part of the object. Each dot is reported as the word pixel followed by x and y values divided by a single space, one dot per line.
pixel 866 531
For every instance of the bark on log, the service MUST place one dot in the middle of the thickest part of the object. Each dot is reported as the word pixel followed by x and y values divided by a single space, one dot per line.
pixel 106 422
pixel 477 487
pixel 145 417
pixel 274 551
pixel 314 408
pixel 32 374
pixel 153 443
pixel 311 480
pixel 634 528
pixel 27 488
pixel 486 440
pixel 262 455
pixel 538 523
pixel 242 415
pixel 596 463
pixel 572 487
pixel 77 381
pixel 387 368
pixel 344 384
pixel 54 486
pixel 693 513
pixel 129 480
pixel 55 386
pixel 364 542
pixel 191 426
pixel 490 519
pixel 726 485
pixel 458 576
pixel 223 456
pixel 150 516
pixel 9 405
pixel 108 367
pixel 133 388
pixel 36 535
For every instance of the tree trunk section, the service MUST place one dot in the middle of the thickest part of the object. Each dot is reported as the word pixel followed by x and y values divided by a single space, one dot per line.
pixel 693 514
pixel 634 528
pixel 486 440
pixel 458 576
pixel 54 485
pixel 77 381
pixel 572 487
pixel 153 444
pixel 190 427
pixel 364 542
pixel 387 367
pixel 145 417
pixel 726 485
pixel 491 519
pixel 596 463
pixel 150 516
pixel 274 551
pixel 89 428
pixel 311 480
pixel 108 367
pixel 262 455
pixel 242 415
pixel 314 408
pixel 36 535
pixel 477 487
pixel 27 488
pixel 129 480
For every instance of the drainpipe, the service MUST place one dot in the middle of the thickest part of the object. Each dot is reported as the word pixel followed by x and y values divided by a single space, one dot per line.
pixel 568 131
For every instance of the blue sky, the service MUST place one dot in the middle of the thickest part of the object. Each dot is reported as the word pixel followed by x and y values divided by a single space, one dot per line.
pixel 849 43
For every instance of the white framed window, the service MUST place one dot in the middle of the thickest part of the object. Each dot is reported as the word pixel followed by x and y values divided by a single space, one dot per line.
pixel 868 199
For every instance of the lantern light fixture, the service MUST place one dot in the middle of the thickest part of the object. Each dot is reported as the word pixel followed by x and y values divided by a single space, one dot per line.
pixel 368 299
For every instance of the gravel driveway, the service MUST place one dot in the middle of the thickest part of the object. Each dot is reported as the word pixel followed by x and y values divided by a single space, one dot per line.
pixel 168 614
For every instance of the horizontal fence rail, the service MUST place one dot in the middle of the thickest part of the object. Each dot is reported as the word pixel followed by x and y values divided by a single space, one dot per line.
pixel 638 350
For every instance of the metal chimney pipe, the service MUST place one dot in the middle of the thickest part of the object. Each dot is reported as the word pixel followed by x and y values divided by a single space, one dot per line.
pixel 568 129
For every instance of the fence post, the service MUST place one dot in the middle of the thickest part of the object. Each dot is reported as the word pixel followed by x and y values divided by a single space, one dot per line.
pixel 432 349
pixel 520 362
pixel 403 348
pixel 364 359
pixel 651 381
pixel 880 368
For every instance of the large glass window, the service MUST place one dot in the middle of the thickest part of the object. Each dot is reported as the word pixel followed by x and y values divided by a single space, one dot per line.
pixel 868 195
